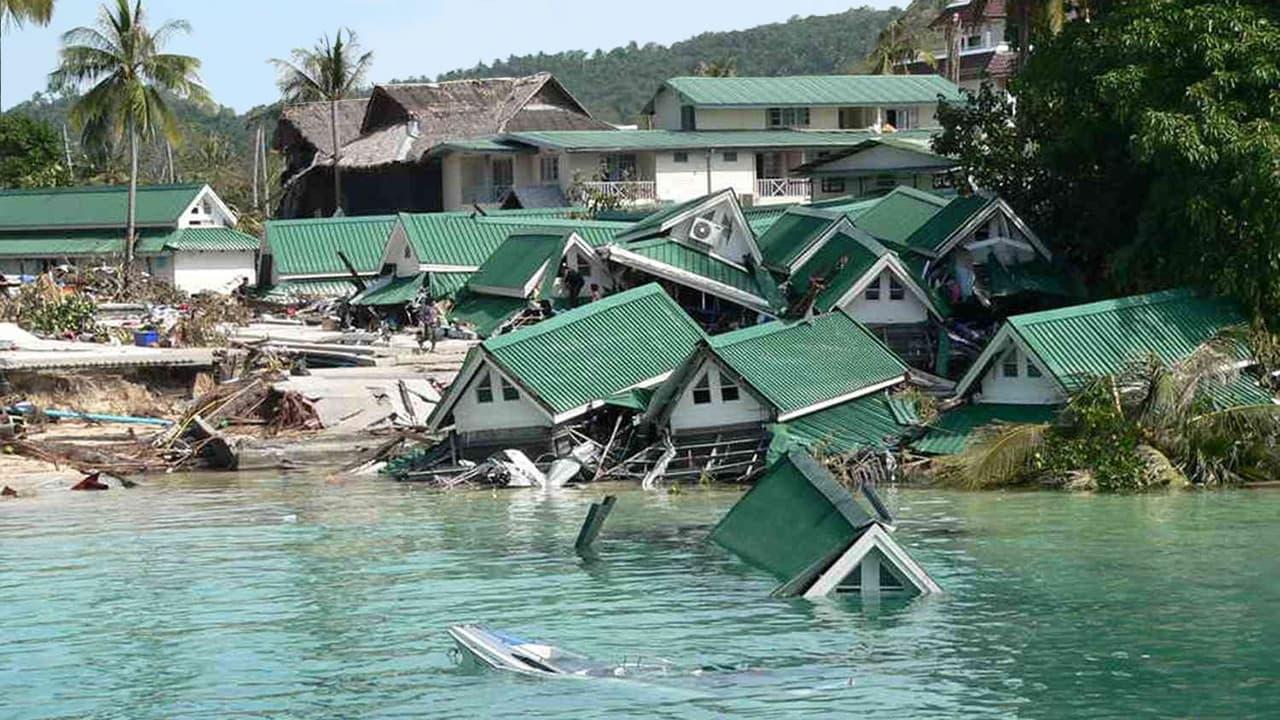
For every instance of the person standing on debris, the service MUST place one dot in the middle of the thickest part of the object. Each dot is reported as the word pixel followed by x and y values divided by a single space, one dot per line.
pixel 573 282
pixel 428 321
pixel 241 293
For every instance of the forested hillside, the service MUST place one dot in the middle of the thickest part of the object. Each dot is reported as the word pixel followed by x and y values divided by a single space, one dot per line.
pixel 615 84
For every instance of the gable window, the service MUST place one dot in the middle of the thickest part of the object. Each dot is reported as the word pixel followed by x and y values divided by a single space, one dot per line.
pixel 832 185
pixel 1033 371
pixel 730 156
pixel 550 168
pixel 484 390
pixel 680 157
pixel 728 389
pixel 788 117
pixel 873 290
pixel 509 392
pixel 406 251
pixel 1009 365
pixel 688 117
pixel 702 391
pixel 896 291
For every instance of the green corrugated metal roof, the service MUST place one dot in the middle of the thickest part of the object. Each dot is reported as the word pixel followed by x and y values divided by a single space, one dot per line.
pixel 518 259
pixel 104 206
pixel 591 352
pixel 397 291
pixel 310 246
pixel 815 90
pixel 792 234
pixel 631 399
pixel 658 140
pixel 1083 341
pixel 840 263
pixel 467 240
pixel 894 217
pixel 290 290
pixel 796 365
pixel 1040 277
pixel 865 423
pixel 952 432
pixel 918 142
pixel 930 236
pixel 795 492
pixel 485 313
pixel 447 284
pixel 653 221
pixel 201 239
pixel 1242 391
pixel 13 245
pixel 692 260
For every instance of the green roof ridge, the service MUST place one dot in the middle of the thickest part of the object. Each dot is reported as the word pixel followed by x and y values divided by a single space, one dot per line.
pixel 1103 306
pixel 570 317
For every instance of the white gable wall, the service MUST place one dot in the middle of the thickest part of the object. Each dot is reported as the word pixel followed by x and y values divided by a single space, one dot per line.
pixel 678 182
pixel 219 272
pixel 399 251
pixel 1017 387
pixel 733 245
pixel 471 415
pixel 886 310
pixel 689 416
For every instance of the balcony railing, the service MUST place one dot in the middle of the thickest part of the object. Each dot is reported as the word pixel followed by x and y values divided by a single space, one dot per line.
pixel 784 187
pixel 483 194
pixel 629 190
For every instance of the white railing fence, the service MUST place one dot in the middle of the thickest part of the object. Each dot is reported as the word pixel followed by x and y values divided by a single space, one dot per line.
pixel 784 187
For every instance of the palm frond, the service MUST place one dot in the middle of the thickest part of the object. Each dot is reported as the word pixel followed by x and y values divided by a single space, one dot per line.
pixel 1159 470
pixel 1000 455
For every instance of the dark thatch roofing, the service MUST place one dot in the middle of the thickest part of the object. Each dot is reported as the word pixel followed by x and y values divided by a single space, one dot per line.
pixel 460 109
pixel 308 123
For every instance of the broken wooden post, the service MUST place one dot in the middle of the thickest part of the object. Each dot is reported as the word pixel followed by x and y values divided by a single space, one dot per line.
pixel 595 520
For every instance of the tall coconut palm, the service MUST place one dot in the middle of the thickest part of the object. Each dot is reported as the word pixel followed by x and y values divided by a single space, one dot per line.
pixel 723 68
pixel 16 13
pixel 330 71
pixel 127 75
pixel 895 47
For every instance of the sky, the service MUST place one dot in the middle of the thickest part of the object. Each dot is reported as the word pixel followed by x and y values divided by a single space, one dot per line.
pixel 235 38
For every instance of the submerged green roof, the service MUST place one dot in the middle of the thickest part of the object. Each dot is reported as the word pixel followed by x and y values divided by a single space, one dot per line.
pixel 952 432
pixel 1083 341
pixel 102 206
pixel 797 365
pixel 897 215
pixel 814 90
pixel 793 233
pixel 310 246
pixel 591 352
pixel 518 259
pixel 795 492
pixel 865 423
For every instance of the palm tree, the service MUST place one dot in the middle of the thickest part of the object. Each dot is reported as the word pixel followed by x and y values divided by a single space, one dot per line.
pixel 14 13
pixel 894 48
pixel 726 67
pixel 1049 15
pixel 328 72
pixel 121 59
pixel 1152 424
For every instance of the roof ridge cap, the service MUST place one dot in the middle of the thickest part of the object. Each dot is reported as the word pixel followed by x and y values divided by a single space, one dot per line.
pixel 1098 307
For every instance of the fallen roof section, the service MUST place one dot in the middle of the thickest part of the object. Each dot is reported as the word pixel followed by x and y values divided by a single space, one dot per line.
pixel 954 429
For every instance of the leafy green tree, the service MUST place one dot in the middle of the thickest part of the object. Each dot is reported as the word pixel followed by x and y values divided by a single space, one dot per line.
pixel 1146 142
pixel 15 13
pixel 30 154
pixel 129 78
pixel 330 71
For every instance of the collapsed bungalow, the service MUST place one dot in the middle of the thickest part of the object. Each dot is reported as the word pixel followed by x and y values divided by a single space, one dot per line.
pixel 822 381
pixel 1037 360
pixel 528 388
pixel 390 157
pixel 186 235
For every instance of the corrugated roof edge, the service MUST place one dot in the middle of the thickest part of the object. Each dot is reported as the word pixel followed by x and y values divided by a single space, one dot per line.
pixel 571 316
pixel 1104 306
pixel 83 189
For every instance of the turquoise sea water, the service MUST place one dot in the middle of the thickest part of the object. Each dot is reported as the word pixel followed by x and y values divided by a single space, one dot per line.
pixel 251 597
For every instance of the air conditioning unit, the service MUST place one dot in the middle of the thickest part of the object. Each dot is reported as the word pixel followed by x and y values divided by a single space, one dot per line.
pixel 706 231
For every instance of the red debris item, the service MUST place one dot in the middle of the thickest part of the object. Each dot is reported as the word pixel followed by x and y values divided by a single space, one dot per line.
pixel 90 482
pixel 8 492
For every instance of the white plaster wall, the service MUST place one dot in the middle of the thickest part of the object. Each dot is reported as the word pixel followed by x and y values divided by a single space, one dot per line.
pixel 908 310
pixel 1021 390
pixel 525 170
pixel 451 181
pixel 824 118
pixel 677 182
pixel 470 415
pixel 599 274
pixel 205 213
pixel 212 271
pixel 926 115
pixel 729 119
pixel 400 253
pixel 666 110
pixel 688 416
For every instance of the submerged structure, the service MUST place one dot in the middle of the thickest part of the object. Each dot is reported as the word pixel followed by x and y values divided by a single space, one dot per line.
pixel 799 524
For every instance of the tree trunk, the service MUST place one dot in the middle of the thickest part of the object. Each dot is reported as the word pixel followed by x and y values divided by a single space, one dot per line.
pixel 1024 34
pixel 256 137
pixel 131 227
pixel 337 155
